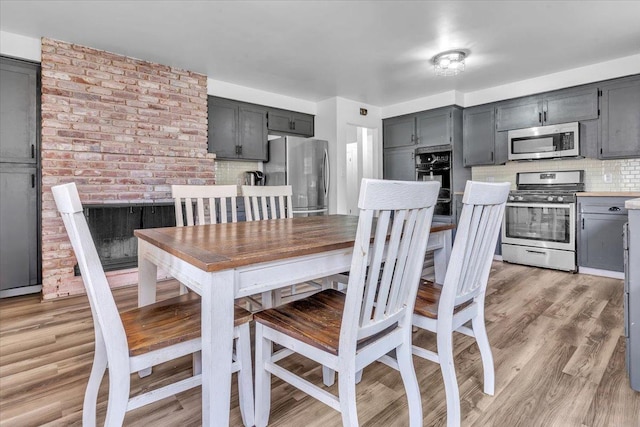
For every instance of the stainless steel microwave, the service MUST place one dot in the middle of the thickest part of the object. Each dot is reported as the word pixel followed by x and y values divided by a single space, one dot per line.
pixel 545 142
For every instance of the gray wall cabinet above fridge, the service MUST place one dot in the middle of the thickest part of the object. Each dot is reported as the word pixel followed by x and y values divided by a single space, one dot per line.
pixel 284 122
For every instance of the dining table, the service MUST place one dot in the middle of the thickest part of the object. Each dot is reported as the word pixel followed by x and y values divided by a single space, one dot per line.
pixel 223 262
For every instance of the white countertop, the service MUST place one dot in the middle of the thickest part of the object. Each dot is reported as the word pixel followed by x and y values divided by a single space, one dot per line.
pixel 632 204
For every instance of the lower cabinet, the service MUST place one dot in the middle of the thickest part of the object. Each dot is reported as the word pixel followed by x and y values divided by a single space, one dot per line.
pixel 600 228
pixel 399 164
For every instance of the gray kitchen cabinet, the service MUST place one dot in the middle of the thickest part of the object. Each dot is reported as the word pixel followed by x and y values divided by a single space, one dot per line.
pixel 399 131
pixel 561 106
pixel 434 127
pixel 285 122
pixel 600 226
pixel 479 135
pixel 19 247
pixel 237 131
pixel 620 119
pixel 20 263
pixel 18 94
pixel 399 164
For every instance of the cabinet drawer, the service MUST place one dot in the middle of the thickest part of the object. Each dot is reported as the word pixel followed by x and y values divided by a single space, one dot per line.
pixel 603 205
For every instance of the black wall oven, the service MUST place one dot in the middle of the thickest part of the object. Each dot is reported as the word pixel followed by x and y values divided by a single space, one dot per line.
pixel 434 164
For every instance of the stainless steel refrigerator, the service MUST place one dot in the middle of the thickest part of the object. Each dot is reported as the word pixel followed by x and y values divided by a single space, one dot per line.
pixel 302 163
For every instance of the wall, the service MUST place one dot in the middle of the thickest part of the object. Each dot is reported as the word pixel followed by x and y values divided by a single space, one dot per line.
pixel 625 173
pixel 124 130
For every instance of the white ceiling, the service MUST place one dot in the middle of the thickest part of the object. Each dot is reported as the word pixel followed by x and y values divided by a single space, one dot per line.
pixel 375 52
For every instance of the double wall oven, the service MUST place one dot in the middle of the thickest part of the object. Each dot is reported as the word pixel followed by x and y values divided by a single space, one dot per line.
pixel 539 225
pixel 434 164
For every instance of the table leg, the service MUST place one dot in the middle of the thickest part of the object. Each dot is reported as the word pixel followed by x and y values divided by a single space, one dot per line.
pixel 147 278
pixel 441 257
pixel 217 347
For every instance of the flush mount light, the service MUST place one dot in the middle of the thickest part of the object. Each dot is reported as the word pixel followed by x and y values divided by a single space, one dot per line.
pixel 449 63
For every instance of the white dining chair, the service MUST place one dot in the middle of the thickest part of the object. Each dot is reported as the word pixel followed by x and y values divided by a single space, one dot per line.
pixel 274 202
pixel 136 340
pixel 213 204
pixel 447 307
pixel 348 332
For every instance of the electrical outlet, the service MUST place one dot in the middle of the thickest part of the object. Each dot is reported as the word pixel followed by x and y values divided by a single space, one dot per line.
pixel 608 178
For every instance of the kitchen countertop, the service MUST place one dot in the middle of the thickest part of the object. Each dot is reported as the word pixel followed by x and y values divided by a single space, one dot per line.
pixel 608 194
pixel 632 204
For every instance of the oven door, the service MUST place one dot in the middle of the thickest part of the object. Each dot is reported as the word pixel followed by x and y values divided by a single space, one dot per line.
pixel 542 225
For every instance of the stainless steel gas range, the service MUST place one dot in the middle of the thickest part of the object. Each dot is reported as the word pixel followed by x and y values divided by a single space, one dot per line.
pixel 539 226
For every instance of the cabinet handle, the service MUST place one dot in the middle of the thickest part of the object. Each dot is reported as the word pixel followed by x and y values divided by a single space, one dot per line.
pixel 545 116
pixel 583 223
pixel 614 209
pixel 413 155
pixel 294 125
pixel 540 117
pixel 33 180
pixel 33 151
pixel 492 156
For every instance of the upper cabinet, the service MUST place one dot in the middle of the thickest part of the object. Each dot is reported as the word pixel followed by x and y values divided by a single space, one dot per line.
pixel 285 122
pixel 478 135
pixel 237 131
pixel 568 105
pixel 424 129
pixel 620 119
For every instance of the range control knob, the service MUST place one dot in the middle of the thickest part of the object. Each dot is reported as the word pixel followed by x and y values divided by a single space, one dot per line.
pixel 550 198
pixel 560 198
pixel 511 198
pixel 519 198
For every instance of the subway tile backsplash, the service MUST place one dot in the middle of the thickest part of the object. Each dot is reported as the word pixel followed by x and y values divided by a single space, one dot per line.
pixel 232 172
pixel 623 174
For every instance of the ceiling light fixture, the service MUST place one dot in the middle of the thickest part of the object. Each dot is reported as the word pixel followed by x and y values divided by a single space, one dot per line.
pixel 449 63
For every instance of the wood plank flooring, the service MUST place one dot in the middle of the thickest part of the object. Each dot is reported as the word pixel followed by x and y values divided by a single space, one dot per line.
pixel 556 339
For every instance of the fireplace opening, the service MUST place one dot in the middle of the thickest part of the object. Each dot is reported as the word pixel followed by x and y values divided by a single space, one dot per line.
pixel 112 229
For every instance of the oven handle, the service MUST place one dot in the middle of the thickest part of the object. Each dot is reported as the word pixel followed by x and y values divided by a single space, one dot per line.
pixel 541 205
pixel 536 252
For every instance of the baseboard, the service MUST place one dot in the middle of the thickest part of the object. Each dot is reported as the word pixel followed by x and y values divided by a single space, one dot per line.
pixel 23 290
pixel 602 273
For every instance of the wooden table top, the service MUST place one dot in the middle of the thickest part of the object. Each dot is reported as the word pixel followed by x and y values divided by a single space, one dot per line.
pixel 224 246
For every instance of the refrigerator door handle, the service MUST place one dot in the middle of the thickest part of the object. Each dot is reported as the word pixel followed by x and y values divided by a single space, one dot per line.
pixel 325 172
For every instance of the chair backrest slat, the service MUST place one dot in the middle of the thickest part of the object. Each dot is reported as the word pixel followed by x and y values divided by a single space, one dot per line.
pixel 476 238
pixel 267 202
pixel 384 275
pixel 106 318
pixel 215 199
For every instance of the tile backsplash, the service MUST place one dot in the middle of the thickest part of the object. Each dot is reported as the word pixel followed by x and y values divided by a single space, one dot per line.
pixel 232 172
pixel 624 174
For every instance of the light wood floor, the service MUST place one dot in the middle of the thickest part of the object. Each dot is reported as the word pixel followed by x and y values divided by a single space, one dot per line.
pixel 556 339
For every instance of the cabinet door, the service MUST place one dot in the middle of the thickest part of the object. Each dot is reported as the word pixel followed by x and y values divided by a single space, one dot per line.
pixel 478 135
pixel 434 128
pixel 18 95
pixel 223 128
pixel 253 133
pixel 601 242
pixel 399 132
pixel 302 124
pixel 620 120
pixel 399 164
pixel 570 105
pixel 18 226
pixel 518 114
pixel 279 121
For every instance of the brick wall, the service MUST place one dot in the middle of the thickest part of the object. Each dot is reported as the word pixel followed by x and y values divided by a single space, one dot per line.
pixel 124 130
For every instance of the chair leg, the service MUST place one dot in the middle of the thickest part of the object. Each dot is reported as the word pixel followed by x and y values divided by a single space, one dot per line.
pixel 347 397
pixel 196 361
pixel 263 378
pixel 245 377
pixel 95 378
pixel 408 373
pixel 183 289
pixel 480 331
pixel 328 376
pixel 445 355
pixel 119 388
